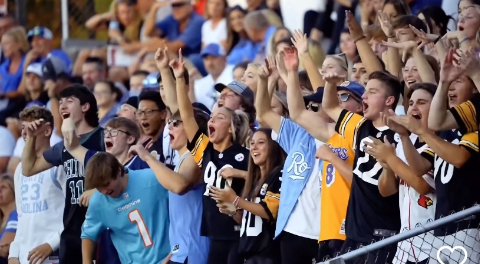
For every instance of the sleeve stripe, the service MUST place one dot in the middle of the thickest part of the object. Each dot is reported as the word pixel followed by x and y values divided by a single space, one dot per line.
pixel 429 152
pixel 355 132
pixel 11 225
pixel 469 145
pixel 469 121
pixel 344 123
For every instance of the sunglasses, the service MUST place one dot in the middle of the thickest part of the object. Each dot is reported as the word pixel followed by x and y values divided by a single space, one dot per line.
pixel 344 97
pixel 314 107
pixel 174 122
pixel 176 5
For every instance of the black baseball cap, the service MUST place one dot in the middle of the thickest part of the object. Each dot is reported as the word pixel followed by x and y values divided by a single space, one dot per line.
pixel 238 88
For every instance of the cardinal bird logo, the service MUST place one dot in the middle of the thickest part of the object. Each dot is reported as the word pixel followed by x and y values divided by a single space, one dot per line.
pixel 425 201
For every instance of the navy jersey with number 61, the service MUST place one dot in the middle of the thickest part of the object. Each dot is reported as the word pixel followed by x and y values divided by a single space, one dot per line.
pixel 370 216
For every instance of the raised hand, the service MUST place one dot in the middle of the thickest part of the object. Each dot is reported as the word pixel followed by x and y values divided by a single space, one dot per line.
pixel 263 71
pixel 178 66
pixel 424 37
pixel 290 58
pixel 282 71
pixel 70 138
pixel 355 29
pixel 406 47
pixel 272 68
pixel 399 129
pixel 385 23
pixel 161 58
pixel 140 151
pixel 300 41
pixel 333 78
pixel 410 123
pixel 448 71
pixel 468 61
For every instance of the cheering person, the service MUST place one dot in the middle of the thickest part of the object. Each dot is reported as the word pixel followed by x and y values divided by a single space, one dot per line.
pixel 260 199
pixel 219 148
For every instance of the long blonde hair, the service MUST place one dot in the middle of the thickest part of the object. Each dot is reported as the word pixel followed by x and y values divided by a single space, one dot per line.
pixel 20 36
pixel 240 126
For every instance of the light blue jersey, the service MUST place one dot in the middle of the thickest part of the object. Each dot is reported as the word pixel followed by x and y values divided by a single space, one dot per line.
pixel 185 215
pixel 138 219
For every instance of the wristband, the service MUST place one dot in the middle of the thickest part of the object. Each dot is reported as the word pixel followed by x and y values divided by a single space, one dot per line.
pixel 438 39
pixel 233 213
pixel 360 38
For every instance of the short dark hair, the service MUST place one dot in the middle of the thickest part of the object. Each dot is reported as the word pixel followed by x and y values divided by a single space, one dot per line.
pixel 405 21
pixel 83 94
pixel 95 60
pixel 249 109
pixel 101 168
pixel 35 113
pixel 130 126
pixel 391 84
pixel 140 72
pixel 305 80
pixel 428 87
pixel 153 96
pixel 243 65
pixel 400 6
pixel 113 89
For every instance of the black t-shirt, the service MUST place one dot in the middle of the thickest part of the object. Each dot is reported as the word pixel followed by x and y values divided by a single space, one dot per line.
pixel 256 234
pixel 215 224
pixel 74 214
pixel 456 188
pixel 370 216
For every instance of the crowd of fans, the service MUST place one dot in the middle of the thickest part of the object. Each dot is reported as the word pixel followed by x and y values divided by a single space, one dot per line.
pixel 228 138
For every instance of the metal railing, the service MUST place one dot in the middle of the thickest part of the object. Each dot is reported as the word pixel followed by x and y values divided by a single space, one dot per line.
pixel 468 239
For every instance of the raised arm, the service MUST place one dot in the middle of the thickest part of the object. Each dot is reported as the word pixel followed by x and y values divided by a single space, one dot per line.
pixel 364 50
pixel 180 182
pixel 265 114
pixel 300 41
pixel 72 141
pixel 31 162
pixel 330 102
pixel 162 59
pixel 394 64
pixel 439 118
pixel 99 19
pixel 151 19
pixel 184 105
pixel 310 121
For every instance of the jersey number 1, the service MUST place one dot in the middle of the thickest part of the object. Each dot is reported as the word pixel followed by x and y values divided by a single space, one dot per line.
pixel 134 216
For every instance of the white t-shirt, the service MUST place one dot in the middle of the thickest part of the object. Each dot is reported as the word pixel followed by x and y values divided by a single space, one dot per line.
pixel 400 109
pixel 171 156
pixel 8 142
pixel 304 221
pixel 54 139
pixel 204 90
pixel 214 35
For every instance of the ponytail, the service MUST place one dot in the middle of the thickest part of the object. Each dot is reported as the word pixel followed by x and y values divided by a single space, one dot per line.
pixel 240 127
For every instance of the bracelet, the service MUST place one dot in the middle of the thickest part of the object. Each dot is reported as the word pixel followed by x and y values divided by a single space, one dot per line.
pixel 360 38
pixel 233 213
pixel 235 202
pixel 438 39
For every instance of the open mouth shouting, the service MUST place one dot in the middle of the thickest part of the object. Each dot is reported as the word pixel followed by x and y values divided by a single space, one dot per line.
pixel 65 115
pixel 411 82
pixel 452 98
pixel 211 131
pixel 417 116
pixel 108 144
pixel 172 137
pixel 365 107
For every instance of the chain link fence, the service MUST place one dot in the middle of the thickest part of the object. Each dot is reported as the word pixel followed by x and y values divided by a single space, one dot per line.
pixel 420 245
pixel 48 13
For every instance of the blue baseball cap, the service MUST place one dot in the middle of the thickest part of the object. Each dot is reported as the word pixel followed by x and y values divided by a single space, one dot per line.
pixel 355 88
pixel 214 50
pixel 151 81
pixel 38 31
pixel 315 97
pixel 238 88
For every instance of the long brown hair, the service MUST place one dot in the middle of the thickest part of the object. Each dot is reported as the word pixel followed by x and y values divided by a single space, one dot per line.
pixel 10 184
pixel 276 159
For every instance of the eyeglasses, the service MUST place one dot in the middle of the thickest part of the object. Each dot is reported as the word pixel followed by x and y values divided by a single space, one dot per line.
pixel 314 107
pixel 174 122
pixel 113 132
pixel 176 5
pixel 344 97
pixel 148 113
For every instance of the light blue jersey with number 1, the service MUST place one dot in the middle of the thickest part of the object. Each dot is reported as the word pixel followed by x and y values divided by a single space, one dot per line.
pixel 138 219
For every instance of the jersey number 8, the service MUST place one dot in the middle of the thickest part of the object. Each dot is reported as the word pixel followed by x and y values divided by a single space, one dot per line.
pixel 212 177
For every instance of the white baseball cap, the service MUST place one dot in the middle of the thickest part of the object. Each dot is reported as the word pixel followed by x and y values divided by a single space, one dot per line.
pixel 35 68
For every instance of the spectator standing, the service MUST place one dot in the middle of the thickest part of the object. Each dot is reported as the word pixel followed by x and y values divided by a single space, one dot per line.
pixel 14 48
pixel 239 47
pixel 39 227
pixel 107 96
pixel 181 30
pixel 9 217
pixel 78 103
pixel 214 59
pixel 214 30
pixel 259 31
